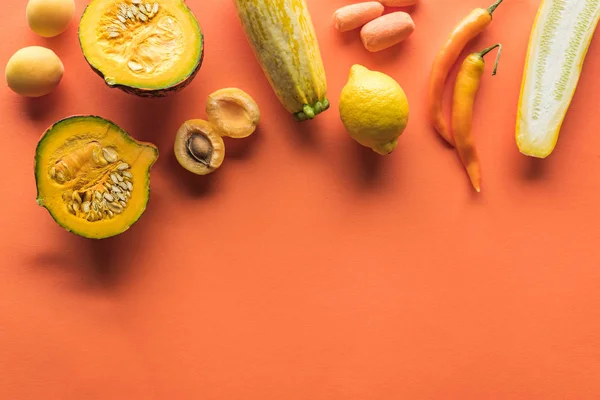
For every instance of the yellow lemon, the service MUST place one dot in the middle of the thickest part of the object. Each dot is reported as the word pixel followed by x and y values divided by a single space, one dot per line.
pixel 374 109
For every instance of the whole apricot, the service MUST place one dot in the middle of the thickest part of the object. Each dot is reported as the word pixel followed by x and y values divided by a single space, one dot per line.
pixel 34 71
pixel 49 18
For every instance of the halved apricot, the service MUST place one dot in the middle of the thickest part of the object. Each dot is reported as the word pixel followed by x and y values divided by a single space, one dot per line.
pixel 198 147
pixel 233 112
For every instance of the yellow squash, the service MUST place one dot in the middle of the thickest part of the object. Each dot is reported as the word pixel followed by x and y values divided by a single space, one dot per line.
pixel 283 39
pixel 92 177
pixel 147 48
pixel 558 44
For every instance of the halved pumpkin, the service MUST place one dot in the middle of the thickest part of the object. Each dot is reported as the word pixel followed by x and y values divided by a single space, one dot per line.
pixel 92 177
pixel 149 48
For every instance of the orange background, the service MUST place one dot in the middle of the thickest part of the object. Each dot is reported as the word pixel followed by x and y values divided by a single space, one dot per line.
pixel 307 267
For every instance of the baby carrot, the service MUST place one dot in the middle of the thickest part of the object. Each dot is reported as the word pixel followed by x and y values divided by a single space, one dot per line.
pixel 466 87
pixel 356 15
pixel 387 31
pixel 470 27
pixel 398 3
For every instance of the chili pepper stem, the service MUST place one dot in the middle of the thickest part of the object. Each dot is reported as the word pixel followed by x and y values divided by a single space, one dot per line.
pixel 483 52
pixel 493 7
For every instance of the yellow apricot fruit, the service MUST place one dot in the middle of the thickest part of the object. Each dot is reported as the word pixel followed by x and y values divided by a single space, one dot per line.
pixel 233 112
pixel 49 18
pixel 34 71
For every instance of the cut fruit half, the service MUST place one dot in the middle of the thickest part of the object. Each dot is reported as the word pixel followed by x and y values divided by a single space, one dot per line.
pixel 199 147
pixel 558 44
pixel 149 49
pixel 233 112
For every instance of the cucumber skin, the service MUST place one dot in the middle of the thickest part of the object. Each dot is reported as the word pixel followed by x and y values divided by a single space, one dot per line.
pixel 284 42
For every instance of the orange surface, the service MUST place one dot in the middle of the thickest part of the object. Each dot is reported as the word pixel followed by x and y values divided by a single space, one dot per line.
pixel 307 267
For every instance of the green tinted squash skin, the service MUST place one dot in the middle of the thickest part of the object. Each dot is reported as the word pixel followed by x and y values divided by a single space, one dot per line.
pixel 39 168
pixel 176 85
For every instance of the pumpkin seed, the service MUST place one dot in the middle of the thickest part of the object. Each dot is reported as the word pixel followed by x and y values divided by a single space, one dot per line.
pixel 75 206
pixel 127 174
pixel 123 185
pixel 113 178
pixel 109 197
pixel 155 8
pixel 135 67
pixel 96 153
pixel 71 209
pixel 119 177
pixel 76 197
pixel 122 18
pixel 123 166
pixel 110 155
pixel 129 185
pixel 113 34
pixel 136 1
pixel 98 195
pixel 115 207
pixel 121 196
pixel 116 189
pixel 86 207
pixel 124 204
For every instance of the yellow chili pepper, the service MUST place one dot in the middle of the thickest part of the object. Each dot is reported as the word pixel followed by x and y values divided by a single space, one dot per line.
pixel 469 28
pixel 465 89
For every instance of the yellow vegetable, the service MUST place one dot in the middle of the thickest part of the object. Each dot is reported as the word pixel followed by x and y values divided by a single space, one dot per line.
pixel 283 38
pixel 558 44
pixel 92 177
pixel 149 49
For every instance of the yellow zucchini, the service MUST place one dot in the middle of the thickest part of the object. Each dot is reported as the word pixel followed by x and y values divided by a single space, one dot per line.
pixel 283 39
pixel 558 44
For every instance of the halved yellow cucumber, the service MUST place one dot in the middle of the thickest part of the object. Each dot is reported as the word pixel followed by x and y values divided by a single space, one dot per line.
pixel 558 44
